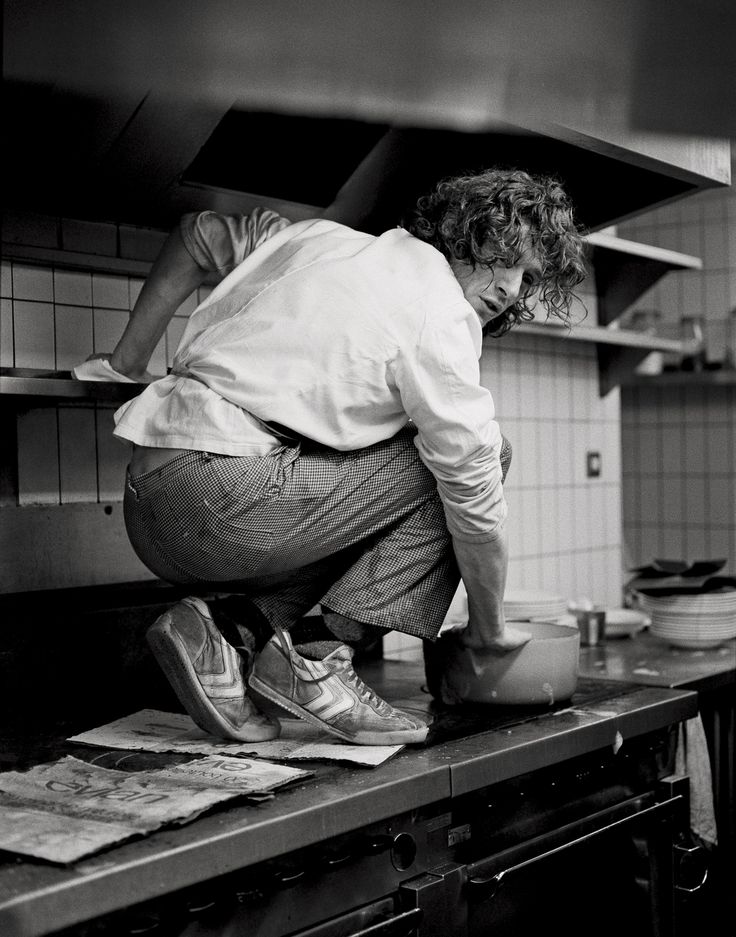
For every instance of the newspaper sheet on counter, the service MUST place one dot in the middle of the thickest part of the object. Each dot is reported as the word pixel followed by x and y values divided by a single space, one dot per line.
pixel 153 731
pixel 68 809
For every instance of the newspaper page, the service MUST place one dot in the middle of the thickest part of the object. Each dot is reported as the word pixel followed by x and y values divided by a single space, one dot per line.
pixel 154 731
pixel 68 809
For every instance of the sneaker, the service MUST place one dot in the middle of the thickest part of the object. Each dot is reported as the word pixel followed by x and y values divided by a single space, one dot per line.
pixel 207 674
pixel 329 694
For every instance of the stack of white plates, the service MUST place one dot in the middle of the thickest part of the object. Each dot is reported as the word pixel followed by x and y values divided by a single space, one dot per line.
pixel 705 619
pixel 524 606
pixel 568 620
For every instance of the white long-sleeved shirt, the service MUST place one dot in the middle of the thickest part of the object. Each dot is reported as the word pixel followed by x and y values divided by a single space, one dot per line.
pixel 340 336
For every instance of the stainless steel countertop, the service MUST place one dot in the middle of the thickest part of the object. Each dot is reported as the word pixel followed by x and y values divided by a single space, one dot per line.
pixel 38 898
pixel 651 661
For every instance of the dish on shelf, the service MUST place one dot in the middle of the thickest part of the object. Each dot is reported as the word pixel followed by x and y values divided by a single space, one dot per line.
pixel 691 642
pixel 625 622
pixel 568 620
pixel 693 621
pixel 690 603
pixel 526 605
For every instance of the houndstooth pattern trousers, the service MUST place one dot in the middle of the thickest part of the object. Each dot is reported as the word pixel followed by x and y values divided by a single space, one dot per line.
pixel 362 533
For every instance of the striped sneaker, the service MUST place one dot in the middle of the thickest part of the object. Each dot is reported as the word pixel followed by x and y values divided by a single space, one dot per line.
pixel 207 673
pixel 329 694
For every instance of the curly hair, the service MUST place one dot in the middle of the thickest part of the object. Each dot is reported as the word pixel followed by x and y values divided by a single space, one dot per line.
pixel 487 217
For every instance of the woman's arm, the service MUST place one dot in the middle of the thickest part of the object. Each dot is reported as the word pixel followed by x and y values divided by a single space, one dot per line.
pixel 173 278
pixel 175 274
pixel 483 569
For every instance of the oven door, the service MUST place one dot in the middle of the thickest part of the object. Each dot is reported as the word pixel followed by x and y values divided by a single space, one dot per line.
pixel 378 919
pixel 620 871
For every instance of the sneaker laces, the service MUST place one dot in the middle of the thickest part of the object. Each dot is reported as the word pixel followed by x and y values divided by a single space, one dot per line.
pixel 364 692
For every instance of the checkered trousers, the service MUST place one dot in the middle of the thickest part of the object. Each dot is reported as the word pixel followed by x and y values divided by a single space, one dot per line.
pixel 363 533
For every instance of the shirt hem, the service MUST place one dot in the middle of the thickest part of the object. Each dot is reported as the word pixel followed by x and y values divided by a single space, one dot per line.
pixel 213 445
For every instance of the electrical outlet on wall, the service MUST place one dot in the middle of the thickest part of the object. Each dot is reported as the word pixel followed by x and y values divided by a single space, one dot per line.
pixel 592 464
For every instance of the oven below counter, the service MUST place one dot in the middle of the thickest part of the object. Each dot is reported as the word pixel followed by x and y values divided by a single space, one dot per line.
pixel 353 847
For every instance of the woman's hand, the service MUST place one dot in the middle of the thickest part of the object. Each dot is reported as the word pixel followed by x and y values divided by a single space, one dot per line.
pixel 141 375
pixel 507 640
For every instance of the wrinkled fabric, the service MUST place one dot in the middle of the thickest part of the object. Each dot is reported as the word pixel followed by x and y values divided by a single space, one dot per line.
pixel 692 759
pixel 360 533
pixel 341 338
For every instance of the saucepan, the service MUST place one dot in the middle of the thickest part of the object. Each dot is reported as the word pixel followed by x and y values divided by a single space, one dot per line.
pixel 543 671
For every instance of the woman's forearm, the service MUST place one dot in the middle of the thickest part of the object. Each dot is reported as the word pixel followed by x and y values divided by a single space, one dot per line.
pixel 173 278
pixel 483 567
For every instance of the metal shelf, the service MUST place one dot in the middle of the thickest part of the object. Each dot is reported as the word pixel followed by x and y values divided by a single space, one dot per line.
pixel 60 385
pixel 722 377
pixel 624 270
pixel 77 260
pixel 604 335
pixel 603 241
pixel 619 351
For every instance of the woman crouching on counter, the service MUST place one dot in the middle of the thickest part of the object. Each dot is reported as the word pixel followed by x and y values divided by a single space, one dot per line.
pixel 323 438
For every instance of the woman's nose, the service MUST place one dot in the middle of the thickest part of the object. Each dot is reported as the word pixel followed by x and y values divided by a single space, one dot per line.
pixel 509 284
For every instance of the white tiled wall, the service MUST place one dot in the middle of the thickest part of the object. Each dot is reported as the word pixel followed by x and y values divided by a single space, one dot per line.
pixel 679 452
pixel 564 528
pixel 55 318
pixel 679 473
pixel 52 319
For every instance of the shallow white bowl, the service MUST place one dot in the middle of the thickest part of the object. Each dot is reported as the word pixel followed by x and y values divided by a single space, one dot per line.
pixel 544 671
pixel 692 644
pixel 625 622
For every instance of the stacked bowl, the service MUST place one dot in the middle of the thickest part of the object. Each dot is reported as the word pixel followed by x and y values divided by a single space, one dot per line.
pixel 695 620
pixel 529 605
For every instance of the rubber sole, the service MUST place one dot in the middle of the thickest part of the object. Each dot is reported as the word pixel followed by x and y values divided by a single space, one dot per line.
pixel 172 658
pixel 396 737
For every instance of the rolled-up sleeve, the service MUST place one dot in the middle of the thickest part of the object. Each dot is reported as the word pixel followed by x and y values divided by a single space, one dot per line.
pixel 458 437
pixel 218 243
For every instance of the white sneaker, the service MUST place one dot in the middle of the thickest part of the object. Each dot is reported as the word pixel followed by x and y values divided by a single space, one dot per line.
pixel 207 673
pixel 330 694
